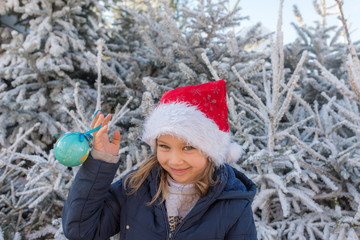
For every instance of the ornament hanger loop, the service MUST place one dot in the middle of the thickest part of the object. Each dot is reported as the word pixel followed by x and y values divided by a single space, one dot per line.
pixel 86 135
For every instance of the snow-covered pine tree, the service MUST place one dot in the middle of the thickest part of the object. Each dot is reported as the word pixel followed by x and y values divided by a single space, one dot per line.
pixel 49 82
pixel 298 126
pixel 325 44
pixel 50 55
pixel 311 188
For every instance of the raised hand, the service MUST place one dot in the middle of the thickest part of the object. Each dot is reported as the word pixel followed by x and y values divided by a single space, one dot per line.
pixel 101 140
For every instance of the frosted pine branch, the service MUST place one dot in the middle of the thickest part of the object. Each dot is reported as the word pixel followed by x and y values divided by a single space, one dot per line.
pixel 278 182
pixel 298 68
pixel 152 87
pixel 100 45
pixel 23 136
pixel 172 26
pixel 353 79
pixel 255 110
pixel 147 103
pixel 106 71
pixel 151 45
pixel 307 148
pixel 252 69
pixel 232 44
pixel 282 134
pixel 267 88
pixel 188 72
pixel 284 203
pixel 280 45
pixel 346 113
pixel 354 61
pixel 293 80
pixel 81 126
pixel 261 199
pixel 276 76
pixel 252 94
pixel 306 200
pixel 119 113
pixel 329 183
pixel 349 150
pixel 79 109
pixel 338 84
pixel 210 67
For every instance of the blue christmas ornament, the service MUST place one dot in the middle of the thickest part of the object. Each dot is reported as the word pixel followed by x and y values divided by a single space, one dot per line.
pixel 72 148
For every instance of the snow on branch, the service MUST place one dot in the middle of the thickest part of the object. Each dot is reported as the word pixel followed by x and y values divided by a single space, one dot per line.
pixel 100 45
pixel 338 84
pixel 210 67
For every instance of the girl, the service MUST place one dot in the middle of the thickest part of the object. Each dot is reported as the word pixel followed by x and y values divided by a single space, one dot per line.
pixel 186 190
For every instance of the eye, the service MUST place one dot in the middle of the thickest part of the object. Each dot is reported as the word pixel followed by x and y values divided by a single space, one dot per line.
pixel 189 148
pixel 163 146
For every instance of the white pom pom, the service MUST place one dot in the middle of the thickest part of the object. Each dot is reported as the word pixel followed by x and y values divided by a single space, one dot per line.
pixel 234 152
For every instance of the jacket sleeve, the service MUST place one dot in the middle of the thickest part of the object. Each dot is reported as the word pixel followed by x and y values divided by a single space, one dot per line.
pixel 93 207
pixel 244 228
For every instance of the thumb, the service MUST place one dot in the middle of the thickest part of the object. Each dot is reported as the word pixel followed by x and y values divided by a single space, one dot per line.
pixel 116 138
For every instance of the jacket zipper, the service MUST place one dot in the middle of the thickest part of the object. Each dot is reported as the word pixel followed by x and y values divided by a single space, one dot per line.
pixel 168 233
pixel 163 210
pixel 171 235
pixel 177 229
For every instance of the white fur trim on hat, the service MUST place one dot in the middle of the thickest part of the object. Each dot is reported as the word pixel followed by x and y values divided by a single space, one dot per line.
pixel 188 123
pixel 234 152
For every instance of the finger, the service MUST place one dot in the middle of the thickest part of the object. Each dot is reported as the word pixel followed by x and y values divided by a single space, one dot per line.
pixel 97 124
pixel 102 133
pixel 100 120
pixel 94 120
pixel 107 119
pixel 101 140
pixel 116 138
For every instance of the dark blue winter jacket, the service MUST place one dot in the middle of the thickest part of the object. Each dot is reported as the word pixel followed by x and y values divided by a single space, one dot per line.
pixel 97 209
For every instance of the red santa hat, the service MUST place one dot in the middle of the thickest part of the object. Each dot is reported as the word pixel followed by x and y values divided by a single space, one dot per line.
pixel 198 114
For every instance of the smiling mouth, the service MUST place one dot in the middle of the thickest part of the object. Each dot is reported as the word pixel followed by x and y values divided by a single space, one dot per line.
pixel 179 171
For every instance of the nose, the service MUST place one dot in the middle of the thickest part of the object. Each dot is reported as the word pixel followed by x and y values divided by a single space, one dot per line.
pixel 176 159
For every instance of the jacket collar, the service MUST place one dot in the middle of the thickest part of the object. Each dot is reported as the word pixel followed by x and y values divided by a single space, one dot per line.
pixel 238 186
pixel 231 185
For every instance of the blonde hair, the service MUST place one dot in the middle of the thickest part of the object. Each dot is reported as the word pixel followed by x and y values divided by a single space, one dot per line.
pixel 135 179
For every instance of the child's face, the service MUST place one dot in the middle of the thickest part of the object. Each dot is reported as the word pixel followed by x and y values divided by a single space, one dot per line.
pixel 183 162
